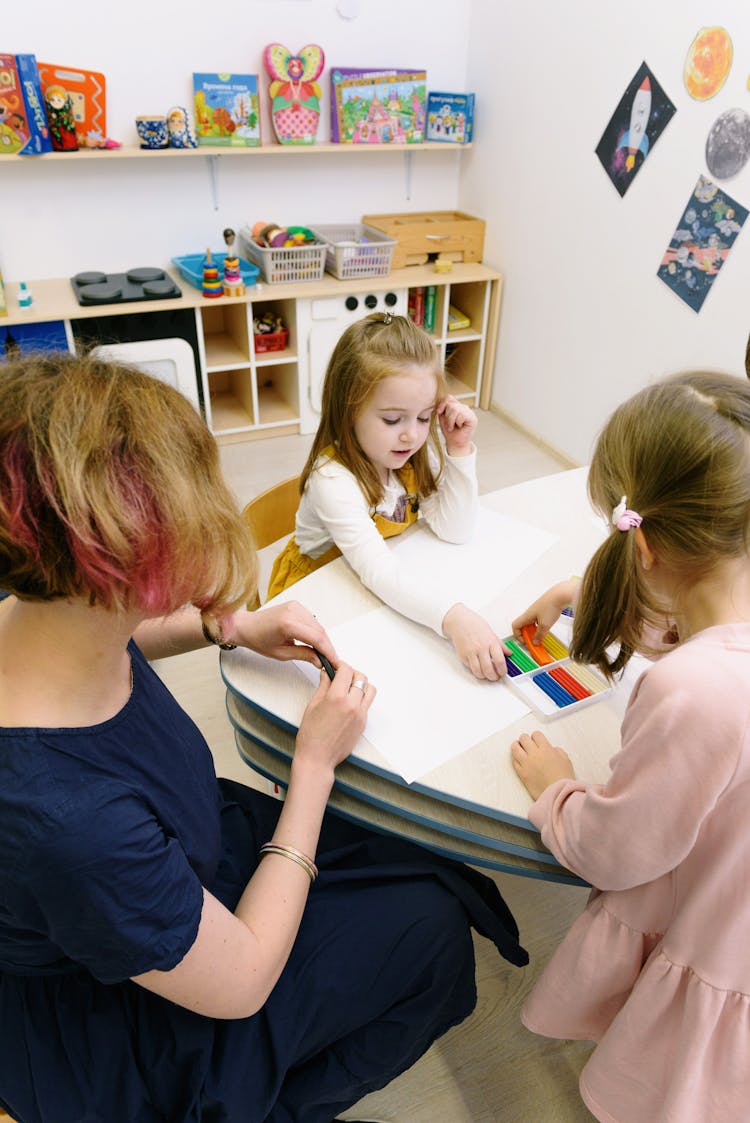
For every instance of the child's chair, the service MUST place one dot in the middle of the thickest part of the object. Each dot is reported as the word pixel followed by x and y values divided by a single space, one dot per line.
pixel 270 516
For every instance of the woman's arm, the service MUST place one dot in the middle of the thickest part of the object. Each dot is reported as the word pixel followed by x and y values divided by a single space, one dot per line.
pixel 269 631
pixel 236 959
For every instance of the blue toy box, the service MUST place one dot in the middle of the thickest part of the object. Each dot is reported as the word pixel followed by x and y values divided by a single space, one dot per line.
pixel 450 118
pixel 191 268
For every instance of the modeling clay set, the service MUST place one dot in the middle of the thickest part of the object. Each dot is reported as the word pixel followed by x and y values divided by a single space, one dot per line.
pixel 548 679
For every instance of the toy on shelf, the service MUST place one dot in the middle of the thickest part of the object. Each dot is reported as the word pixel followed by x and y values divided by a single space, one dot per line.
pixel 269 332
pixel 179 126
pixel 212 285
pixel 62 125
pixel 294 93
pixel 25 298
pixel 233 283
pixel 87 92
pixel 269 235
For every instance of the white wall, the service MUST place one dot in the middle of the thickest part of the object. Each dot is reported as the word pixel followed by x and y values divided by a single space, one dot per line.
pixel 585 321
pixel 59 219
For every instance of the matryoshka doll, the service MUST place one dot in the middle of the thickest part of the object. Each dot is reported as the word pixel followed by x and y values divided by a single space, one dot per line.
pixel 62 126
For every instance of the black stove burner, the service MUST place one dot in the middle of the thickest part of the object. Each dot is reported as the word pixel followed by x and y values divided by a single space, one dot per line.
pixel 143 283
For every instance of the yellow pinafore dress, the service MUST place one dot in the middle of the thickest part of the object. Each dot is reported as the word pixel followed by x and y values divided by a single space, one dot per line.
pixel 292 565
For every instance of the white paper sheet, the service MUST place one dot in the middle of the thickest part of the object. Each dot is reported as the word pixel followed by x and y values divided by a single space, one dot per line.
pixel 428 708
pixel 499 551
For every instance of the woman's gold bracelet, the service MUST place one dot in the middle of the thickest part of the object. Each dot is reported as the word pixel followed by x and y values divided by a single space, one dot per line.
pixel 294 855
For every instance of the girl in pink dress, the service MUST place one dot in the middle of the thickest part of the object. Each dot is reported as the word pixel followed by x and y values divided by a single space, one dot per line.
pixel 656 970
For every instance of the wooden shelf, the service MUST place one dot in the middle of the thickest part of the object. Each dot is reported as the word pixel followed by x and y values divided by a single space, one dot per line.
pixel 134 152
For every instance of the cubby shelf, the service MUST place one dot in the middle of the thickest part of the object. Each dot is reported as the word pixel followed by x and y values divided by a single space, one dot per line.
pixel 247 395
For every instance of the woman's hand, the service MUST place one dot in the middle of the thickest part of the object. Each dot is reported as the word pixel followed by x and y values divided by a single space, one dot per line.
pixel 334 719
pixel 282 631
pixel 538 763
pixel 458 423
pixel 546 610
pixel 477 646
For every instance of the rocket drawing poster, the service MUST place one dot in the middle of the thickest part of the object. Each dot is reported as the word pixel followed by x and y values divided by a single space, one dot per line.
pixel 635 126
pixel 701 243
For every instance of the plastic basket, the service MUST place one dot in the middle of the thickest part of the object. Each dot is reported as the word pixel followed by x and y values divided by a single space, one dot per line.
pixel 356 250
pixel 287 263
pixel 270 341
pixel 191 268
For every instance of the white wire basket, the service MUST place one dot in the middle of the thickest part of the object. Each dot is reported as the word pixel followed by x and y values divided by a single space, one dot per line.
pixel 285 263
pixel 356 250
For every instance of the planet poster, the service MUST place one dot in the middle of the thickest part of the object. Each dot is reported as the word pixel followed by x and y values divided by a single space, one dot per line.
pixel 728 144
pixel 642 114
pixel 701 243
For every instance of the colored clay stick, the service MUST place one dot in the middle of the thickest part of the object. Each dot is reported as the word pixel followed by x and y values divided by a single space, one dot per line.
pixel 536 650
pixel 556 647
pixel 513 670
pixel 588 678
pixel 520 658
pixel 553 689
pixel 570 683
pixel 325 664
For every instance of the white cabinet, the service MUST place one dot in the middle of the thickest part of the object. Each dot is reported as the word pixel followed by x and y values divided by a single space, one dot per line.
pixel 320 323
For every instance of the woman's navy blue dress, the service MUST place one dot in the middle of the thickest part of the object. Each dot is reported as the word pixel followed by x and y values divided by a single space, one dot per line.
pixel 107 836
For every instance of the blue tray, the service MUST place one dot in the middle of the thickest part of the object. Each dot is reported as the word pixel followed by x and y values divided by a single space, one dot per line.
pixel 191 268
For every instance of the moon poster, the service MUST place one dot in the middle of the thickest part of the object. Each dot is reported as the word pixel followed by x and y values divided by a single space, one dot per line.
pixel 701 243
pixel 641 116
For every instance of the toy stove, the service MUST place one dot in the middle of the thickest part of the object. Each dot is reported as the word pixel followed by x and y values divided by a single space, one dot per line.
pixel 143 283
pixel 321 323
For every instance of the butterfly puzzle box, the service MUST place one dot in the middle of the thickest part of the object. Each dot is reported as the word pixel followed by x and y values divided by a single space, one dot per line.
pixel 548 680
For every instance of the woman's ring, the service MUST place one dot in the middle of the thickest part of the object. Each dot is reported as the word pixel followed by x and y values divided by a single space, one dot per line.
pixel 361 684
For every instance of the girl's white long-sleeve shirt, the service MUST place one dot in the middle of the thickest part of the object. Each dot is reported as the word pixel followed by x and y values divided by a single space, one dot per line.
pixel 334 510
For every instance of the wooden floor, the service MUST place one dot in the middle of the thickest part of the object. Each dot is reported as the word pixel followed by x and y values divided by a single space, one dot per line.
pixel 489 1069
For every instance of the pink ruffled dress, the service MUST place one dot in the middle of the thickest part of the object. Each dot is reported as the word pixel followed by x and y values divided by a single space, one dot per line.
pixel 657 968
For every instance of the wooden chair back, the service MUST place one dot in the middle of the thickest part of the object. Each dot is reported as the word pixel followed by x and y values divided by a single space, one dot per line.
pixel 270 516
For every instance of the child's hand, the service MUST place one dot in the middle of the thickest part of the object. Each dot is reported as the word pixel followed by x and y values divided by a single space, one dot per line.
pixel 546 610
pixel 477 646
pixel 458 423
pixel 538 763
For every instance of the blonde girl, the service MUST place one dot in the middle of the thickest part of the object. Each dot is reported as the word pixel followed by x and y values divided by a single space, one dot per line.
pixel 656 969
pixel 376 464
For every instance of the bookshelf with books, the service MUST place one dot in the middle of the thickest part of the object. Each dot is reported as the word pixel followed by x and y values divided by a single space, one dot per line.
pixel 461 315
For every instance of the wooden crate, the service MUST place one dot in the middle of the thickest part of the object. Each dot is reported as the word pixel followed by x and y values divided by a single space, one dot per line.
pixel 456 235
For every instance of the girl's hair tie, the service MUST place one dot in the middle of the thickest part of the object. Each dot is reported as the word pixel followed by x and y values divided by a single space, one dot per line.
pixel 623 518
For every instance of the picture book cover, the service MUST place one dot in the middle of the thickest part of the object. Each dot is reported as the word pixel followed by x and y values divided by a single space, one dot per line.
pixel 378 106
pixel 23 122
pixel 701 243
pixel 450 118
pixel 227 110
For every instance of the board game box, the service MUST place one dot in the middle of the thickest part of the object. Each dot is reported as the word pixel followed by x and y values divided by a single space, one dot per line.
pixel 23 122
pixel 450 118
pixel 377 106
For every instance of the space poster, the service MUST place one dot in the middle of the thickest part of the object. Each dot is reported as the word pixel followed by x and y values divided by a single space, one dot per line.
pixel 643 112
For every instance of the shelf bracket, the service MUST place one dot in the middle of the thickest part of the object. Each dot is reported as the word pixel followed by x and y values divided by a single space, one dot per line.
pixel 408 158
pixel 213 162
